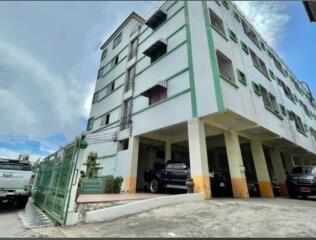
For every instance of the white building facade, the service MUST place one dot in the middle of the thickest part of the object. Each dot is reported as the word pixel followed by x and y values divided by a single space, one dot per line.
pixel 196 82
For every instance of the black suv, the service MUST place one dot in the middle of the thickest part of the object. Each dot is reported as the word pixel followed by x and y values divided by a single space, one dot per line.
pixel 173 175
pixel 301 181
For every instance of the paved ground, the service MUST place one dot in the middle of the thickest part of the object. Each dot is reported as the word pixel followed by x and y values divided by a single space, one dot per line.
pixel 9 221
pixel 277 217
pixel 14 221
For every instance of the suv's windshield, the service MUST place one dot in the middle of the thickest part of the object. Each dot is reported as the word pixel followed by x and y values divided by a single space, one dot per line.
pixel 304 170
pixel 15 166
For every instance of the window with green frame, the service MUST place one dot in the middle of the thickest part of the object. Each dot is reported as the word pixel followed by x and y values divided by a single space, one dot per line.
pixel 270 53
pixel 279 81
pixel 232 36
pixel 241 77
pixel 290 115
pixel 262 45
pixel 236 16
pixel 256 88
pixel 104 53
pixel 244 47
pixel 117 40
pixel 95 97
pixel 225 4
pixel 295 98
pixel 90 124
pixel 100 73
pixel 283 109
pixel 271 74
pixel 217 23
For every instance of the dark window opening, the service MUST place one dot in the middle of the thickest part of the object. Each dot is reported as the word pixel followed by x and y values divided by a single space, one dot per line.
pixel 269 100
pixel 258 63
pixel 225 67
pixel 104 53
pixel 250 33
pixel 110 88
pixel 114 61
pixel 90 124
pixel 127 114
pixel 278 65
pixel 156 19
pixel 132 49
pixel 287 91
pixel 298 122
pixel 95 97
pixel 156 94
pixel 156 50
pixel 217 22
pixel 117 40
pixel 130 78
pixel 100 73
pixel 123 145
pixel 305 108
pixel 105 120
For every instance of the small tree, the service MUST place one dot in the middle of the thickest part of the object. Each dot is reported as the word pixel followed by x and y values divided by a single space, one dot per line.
pixel 92 165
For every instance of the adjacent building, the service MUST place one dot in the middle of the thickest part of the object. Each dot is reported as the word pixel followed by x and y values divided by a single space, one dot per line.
pixel 196 82
pixel 310 7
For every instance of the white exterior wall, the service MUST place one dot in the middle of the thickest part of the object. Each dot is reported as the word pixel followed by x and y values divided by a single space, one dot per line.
pixel 243 100
pixel 177 107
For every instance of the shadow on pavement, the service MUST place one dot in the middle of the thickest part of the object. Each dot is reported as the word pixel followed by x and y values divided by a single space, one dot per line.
pixel 7 206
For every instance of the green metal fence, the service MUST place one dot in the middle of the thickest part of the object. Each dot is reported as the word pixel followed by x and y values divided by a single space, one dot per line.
pixel 54 180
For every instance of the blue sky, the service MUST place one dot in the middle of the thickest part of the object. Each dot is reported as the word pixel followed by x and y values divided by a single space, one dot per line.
pixel 49 57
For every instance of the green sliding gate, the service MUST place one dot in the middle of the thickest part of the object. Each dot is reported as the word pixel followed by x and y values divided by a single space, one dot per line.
pixel 55 178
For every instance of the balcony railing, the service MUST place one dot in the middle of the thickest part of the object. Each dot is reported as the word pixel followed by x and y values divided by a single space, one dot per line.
pixel 132 53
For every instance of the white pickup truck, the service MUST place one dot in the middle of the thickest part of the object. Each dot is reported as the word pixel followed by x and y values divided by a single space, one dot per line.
pixel 15 181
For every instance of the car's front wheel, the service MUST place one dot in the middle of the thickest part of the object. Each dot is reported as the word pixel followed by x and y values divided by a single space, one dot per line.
pixel 154 186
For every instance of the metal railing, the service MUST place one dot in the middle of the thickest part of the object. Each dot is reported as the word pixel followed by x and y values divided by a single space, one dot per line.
pixel 132 53
pixel 129 84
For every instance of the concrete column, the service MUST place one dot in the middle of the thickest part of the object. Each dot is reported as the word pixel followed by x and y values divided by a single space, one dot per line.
pixel 133 149
pixel 238 178
pixel 262 172
pixel 278 169
pixel 198 157
pixel 167 151
pixel 289 162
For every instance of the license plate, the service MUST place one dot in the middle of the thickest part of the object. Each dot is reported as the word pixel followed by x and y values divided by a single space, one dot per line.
pixel 221 184
pixel 305 189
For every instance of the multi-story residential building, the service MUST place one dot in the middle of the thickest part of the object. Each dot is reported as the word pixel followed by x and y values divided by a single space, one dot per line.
pixel 196 82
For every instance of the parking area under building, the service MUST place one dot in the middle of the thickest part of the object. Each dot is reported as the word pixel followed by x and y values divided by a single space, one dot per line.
pixel 252 160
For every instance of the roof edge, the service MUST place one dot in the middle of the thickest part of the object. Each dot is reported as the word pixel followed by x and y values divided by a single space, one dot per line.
pixel 308 9
pixel 132 15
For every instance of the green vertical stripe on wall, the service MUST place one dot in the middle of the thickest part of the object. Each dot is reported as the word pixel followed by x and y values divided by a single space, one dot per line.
pixel 211 48
pixel 189 49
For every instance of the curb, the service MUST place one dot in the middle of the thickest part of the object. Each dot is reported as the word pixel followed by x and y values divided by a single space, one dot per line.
pixel 139 206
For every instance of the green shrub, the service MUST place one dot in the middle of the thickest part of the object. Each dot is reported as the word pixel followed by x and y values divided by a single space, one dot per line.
pixel 113 184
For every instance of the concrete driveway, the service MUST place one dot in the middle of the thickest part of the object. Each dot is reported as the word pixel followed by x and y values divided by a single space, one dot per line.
pixel 277 217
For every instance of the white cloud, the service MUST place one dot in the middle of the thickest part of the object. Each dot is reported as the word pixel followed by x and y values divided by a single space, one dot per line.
pixel 268 17
pixel 40 101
